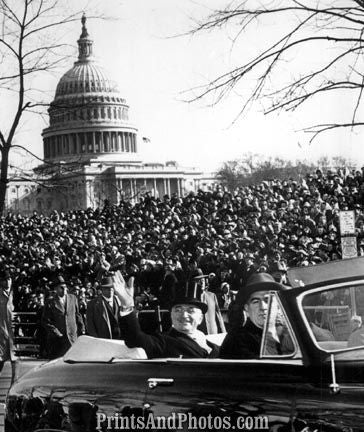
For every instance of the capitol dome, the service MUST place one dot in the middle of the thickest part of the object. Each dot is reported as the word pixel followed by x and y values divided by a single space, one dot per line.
pixel 84 77
pixel 88 117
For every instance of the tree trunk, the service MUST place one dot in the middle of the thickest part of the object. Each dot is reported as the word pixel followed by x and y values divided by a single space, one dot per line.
pixel 3 176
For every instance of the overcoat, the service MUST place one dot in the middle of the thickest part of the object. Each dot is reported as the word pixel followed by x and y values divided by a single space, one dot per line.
pixel 97 319
pixel 63 323
pixel 6 330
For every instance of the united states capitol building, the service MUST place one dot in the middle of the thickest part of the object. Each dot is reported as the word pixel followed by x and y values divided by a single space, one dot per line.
pixel 91 149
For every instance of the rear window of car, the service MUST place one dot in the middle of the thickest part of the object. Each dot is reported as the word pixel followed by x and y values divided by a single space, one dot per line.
pixel 335 316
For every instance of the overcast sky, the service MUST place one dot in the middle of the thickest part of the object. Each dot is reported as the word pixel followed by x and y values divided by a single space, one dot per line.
pixel 154 70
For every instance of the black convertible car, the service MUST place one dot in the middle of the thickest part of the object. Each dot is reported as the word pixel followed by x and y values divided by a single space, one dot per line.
pixel 316 385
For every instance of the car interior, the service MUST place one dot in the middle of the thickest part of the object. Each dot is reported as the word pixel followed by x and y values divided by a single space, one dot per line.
pixel 335 316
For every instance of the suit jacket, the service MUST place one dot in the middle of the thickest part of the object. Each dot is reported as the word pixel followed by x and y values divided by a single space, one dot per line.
pixel 242 342
pixel 97 319
pixel 171 344
pixel 62 321
pixel 213 322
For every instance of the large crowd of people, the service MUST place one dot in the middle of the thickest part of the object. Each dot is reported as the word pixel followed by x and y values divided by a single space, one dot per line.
pixel 158 244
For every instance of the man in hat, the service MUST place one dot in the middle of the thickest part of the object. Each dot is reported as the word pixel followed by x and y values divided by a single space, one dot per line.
pixel 168 287
pixel 61 319
pixel 243 340
pixel 102 315
pixel 182 340
pixel 6 330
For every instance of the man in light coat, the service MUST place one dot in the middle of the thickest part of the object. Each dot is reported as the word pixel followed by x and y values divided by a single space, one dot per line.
pixel 61 320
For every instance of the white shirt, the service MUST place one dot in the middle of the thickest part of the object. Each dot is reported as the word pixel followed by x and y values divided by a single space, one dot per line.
pixel 200 338
pixel 62 300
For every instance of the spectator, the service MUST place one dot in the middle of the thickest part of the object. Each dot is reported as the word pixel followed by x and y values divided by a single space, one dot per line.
pixel 213 322
pixel 103 312
pixel 6 331
pixel 61 319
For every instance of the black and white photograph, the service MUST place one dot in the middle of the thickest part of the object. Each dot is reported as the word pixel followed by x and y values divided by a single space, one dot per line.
pixel 181 215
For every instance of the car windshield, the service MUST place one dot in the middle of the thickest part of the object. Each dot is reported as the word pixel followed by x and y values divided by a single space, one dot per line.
pixel 335 316
pixel 277 336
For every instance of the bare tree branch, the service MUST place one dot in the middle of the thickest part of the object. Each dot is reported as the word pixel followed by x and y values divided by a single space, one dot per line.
pixel 321 128
pixel 333 27
pixel 28 47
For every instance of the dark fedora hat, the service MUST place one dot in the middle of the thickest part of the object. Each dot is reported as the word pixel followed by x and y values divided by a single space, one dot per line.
pixel 190 301
pixel 107 282
pixel 59 280
pixel 7 274
pixel 258 282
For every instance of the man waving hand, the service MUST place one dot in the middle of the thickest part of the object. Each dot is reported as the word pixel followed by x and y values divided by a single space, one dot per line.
pixel 182 340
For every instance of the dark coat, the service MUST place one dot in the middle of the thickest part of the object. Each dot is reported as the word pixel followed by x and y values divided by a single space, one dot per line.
pixel 167 292
pixel 62 324
pixel 242 342
pixel 171 344
pixel 98 322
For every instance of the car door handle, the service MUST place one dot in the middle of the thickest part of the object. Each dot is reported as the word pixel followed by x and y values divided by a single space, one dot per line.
pixel 164 382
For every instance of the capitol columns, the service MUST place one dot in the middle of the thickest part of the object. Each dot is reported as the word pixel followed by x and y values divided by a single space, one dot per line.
pixel 135 188
pixel 93 142
pixel 120 190
pixel 90 202
pixel 122 136
pixel 131 189
pixel 78 143
pixel 183 186
pixel 169 186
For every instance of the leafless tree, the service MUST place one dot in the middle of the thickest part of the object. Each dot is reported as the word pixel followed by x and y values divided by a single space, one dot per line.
pixel 255 168
pixel 30 45
pixel 276 75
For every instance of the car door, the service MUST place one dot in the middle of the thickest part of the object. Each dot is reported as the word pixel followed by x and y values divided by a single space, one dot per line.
pixel 319 407
pixel 233 392
pixel 333 399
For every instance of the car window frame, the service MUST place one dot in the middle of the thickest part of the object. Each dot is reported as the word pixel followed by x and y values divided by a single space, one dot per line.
pixel 316 290
pixel 297 352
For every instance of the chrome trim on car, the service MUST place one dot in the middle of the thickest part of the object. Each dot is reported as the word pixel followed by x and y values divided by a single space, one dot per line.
pixel 155 382
pixel 50 430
